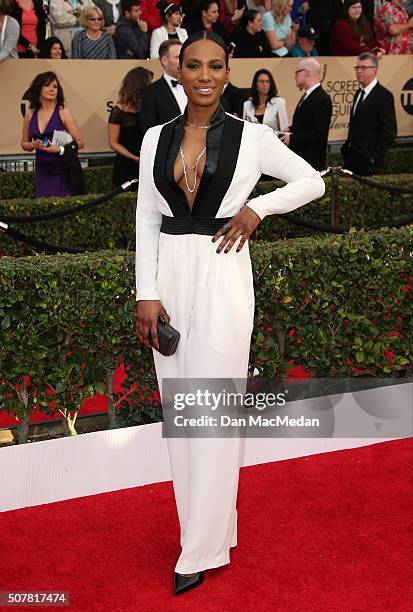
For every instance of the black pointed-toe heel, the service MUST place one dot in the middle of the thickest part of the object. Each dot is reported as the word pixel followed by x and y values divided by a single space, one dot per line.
pixel 185 583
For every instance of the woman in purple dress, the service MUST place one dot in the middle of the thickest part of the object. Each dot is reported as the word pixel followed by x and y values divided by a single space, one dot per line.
pixel 46 114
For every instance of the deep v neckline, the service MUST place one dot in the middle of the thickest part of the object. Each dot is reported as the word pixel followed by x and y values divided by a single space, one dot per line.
pixel 223 143
pixel 47 124
pixel 178 187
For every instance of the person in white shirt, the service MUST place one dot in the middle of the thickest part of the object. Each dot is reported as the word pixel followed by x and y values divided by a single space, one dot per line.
pixel 164 99
pixel 170 30
pixel 265 106
pixel 193 222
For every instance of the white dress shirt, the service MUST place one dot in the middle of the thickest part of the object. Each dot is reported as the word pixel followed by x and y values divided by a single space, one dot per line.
pixel 310 91
pixel 159 35
pixel 366 90
pixel 177 91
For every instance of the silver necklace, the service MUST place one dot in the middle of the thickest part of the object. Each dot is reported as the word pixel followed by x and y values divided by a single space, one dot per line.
pixel 198 127
pixel 195 167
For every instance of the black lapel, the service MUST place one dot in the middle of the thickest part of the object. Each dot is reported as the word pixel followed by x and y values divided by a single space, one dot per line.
pixel 168 97
pixel 356 95
pixel 177 203
pixel 222 156
pixel 212 190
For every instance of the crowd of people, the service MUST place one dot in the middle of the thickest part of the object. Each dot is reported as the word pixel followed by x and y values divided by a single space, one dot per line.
pixel 127 29
pixel 142 104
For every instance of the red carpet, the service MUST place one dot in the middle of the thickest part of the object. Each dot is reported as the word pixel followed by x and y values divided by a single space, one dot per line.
pixel 329 532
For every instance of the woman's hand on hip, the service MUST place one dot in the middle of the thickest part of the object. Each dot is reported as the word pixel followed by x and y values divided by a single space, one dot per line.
pixel 242 224
pixel 147 313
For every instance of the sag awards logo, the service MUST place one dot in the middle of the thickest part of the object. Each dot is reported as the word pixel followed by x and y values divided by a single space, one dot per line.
pixel 342 96
pixel 406 97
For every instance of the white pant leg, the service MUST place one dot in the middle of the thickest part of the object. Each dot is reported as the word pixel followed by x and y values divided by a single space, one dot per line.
pixel 210 300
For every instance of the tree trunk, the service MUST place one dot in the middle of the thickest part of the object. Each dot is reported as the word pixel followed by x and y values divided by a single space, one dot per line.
pixel 23 430
pixel 23 426
pixel 68 424
pixel 113 419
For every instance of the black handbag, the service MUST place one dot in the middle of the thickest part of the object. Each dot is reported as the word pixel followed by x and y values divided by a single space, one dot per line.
pixel 168 338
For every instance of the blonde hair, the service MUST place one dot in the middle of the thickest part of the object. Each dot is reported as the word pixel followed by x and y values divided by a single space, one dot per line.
pixel 87 13
pixel 280 10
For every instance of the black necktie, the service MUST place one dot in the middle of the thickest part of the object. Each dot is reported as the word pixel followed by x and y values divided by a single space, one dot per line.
pixel 301 100
pixel 174 83
pixel 360 98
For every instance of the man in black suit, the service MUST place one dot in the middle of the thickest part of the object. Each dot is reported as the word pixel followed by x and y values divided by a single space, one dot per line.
pixel 232 99
pixel 372 125
pixel 164 99
pixel 311 120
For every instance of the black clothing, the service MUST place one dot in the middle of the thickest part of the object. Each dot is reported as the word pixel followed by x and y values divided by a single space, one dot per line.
pixel 372 130
pixel 194 25
pixel 310 127
pixel 129 37
pixel 72 172
pixel 159 105
pixel 250 45
pixel 233 100
pixel 125 169
pixel 322 16
pixel 223 141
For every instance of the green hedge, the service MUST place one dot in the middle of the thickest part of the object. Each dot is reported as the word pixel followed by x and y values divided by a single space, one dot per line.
pixel 360 206
pixel 112 225
pixel 21 184
pixel 99 179
pixel 329 304
pixel 107 226
pixel 398 161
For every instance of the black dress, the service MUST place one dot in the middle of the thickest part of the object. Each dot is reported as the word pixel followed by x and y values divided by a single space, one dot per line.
pixel 125 169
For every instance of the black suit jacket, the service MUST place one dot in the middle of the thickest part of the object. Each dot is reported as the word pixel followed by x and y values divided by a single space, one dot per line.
pixel 310 127
pixel 158 105
pixel 233 100
pixel 372 130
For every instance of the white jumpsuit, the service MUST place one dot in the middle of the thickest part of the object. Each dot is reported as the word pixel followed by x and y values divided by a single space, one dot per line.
pixel 210 300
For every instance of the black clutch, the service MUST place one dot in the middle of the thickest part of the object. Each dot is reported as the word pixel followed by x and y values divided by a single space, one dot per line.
pixel 168 338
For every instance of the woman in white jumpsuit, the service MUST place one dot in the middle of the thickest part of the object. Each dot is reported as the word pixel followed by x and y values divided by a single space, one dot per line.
pixel 193 268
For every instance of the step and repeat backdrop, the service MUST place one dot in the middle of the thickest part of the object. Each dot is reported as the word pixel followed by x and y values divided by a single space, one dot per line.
pixel 91 89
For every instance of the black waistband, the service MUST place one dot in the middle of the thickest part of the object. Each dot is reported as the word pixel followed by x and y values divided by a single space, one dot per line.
pixel 192 225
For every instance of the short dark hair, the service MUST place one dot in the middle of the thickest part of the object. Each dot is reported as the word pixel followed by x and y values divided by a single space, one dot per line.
pixel 42 79
pixel 248 16
pixel 204 35
pixel 205 4
pixel 367 55
pixel 254 89
pixel 166 45
pixel 126 5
